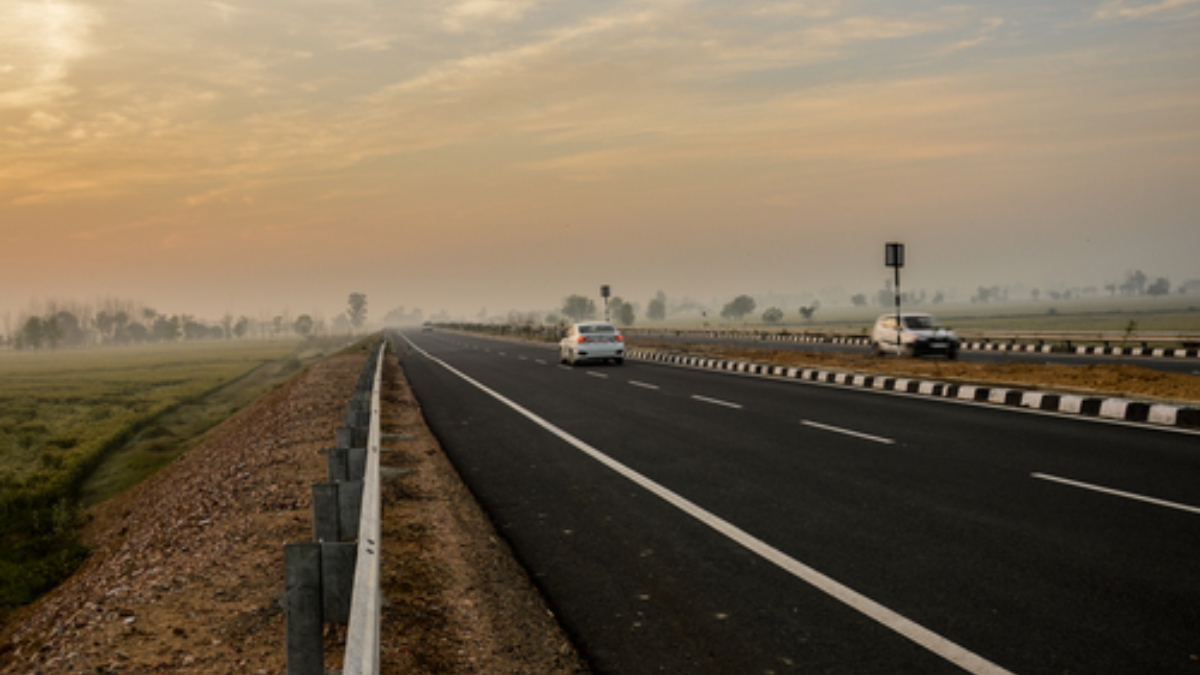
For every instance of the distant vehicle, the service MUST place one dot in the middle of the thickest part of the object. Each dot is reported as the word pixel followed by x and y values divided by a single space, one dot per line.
pixel 592 341
pixel 920 334
pixel 427 327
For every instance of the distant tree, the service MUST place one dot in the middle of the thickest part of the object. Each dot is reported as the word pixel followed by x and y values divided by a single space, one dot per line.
pixel 357 312
pixel 193 330
pixel 241 327
pixel 137 332
pixel 1035 294
pixel 807 312
pixel 72 332
pixel 1135 283
pixel 166 330
pixel 738 308
pixel 33 333
pixel 623 313
pixel 303 325
pixel 656 309
pixel 1160 287
pixel 52 333
pixel 858 300
pixel 772 315
pixel 578 308
pixel 227 326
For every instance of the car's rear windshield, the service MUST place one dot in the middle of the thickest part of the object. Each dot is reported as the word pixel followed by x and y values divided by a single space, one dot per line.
pixel 596 328
pixel 919 322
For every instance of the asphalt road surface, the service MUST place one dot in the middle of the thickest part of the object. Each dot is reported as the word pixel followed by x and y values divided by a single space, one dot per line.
pixel 684 521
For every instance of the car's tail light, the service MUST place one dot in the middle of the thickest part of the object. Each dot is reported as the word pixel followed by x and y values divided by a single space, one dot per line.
pixel 619 338
pixel 581 338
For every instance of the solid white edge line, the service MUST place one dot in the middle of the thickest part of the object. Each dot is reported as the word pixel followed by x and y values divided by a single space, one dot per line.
pixel 942 647
pixel 848 432
pixel 1116 493
pixel 717 401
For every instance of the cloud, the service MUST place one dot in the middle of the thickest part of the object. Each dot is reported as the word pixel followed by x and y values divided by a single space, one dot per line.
pixel 1121 9
pixel 39 41
pixel 467 14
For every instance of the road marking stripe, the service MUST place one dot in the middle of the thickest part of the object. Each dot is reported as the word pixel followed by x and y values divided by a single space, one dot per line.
pixel 643 385
pixel 942 647
pixel 717 401
pixel 599 375
pixel 1117 493
pixel 847 432
pixel 540 361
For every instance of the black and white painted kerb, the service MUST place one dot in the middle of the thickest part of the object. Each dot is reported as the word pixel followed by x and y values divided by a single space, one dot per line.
pixel 1092 406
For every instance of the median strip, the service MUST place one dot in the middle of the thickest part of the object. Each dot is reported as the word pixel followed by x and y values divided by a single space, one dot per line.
pixel 1111 408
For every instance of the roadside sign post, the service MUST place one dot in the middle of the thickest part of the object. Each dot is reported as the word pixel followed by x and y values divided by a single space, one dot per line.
pixel 604 293
pixel 893 256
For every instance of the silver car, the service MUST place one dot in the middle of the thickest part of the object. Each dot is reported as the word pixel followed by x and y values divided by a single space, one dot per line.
pixel 919 334
pixel 592 341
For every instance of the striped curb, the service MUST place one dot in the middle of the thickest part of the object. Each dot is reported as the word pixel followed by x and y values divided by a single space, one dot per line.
pixel 1090 406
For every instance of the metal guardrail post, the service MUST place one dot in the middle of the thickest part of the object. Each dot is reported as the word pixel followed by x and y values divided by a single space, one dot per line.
pixel 303 604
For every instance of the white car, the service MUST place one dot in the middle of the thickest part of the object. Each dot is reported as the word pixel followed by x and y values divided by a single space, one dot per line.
pixel 592 341
pixel 919 334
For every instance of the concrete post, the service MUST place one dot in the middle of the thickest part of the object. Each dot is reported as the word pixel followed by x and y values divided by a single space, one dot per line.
pixel 337 579
pixel 356 463
pixel 305 641
pixel 345 437
pixel 337 467
pixel 326 516
pixel 349 506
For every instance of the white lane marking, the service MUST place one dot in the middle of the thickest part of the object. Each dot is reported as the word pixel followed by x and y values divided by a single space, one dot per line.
pixel 643 385
pixel 847 432
pixel 599 375
pixel 717 401
pixel 540 362
pixel 1117 493
pixel 942 647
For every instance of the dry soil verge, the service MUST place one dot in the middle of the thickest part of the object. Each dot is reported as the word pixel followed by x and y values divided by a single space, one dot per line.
pixel 187 568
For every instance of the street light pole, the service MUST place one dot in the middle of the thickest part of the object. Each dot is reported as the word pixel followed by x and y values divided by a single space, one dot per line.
pixel 893 255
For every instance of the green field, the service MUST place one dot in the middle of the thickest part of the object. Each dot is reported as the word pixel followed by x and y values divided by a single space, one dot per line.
pixel 85 424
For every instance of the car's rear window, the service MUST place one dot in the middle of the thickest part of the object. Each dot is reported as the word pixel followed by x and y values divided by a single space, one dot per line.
pixel 588 329
pixel 918 322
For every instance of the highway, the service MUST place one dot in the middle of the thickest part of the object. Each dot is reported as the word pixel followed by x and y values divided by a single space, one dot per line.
pixel 1189 366
pixel 683 521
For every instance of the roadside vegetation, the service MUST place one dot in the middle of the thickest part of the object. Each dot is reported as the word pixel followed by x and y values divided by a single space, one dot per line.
pixel 82 424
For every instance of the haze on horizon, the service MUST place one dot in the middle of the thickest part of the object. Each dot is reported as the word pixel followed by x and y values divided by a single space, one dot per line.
pixel 213 157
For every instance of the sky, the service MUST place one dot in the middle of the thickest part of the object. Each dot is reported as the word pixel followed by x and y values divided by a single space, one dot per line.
pixel 469 155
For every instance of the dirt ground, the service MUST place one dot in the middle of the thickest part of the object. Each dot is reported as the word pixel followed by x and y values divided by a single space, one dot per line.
pixel 186 574
pixel 1119 380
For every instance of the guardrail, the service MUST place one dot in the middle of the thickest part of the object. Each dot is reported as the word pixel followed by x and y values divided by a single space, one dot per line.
pixel 335 577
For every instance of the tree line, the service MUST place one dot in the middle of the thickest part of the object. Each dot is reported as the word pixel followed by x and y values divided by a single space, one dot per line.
pixel 120 322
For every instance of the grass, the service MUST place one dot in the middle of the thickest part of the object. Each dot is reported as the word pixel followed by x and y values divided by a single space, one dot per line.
pixel 77 426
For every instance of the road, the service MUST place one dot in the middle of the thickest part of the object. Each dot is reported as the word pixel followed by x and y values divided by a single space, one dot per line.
pixel 684 521
pixel 1190 366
